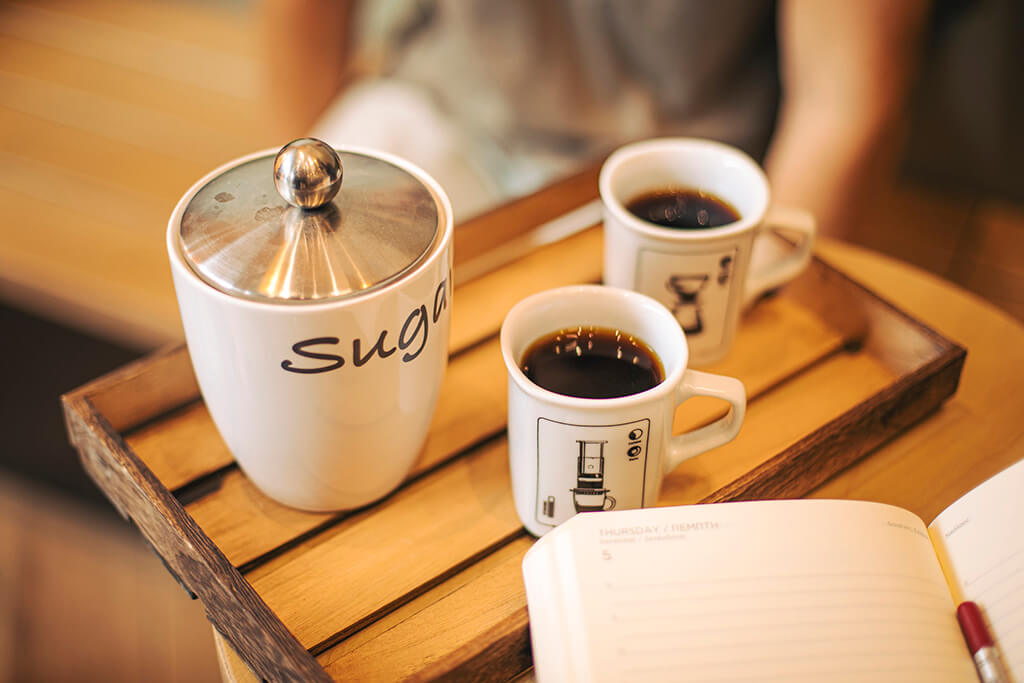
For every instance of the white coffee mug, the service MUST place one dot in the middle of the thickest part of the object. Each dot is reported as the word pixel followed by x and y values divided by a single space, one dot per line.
pixel 324 404
pixel 569 454
pixel 702 275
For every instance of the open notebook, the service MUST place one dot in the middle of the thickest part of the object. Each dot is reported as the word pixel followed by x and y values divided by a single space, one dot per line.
pixel 793 590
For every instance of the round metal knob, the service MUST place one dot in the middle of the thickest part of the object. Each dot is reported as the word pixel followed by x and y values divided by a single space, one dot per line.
pixel 307 173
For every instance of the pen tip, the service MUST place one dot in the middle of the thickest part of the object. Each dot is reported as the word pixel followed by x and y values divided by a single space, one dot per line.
pixel 973 626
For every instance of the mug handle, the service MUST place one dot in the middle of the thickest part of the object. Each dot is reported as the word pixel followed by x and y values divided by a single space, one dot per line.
pixel 781 271
pixel 722 430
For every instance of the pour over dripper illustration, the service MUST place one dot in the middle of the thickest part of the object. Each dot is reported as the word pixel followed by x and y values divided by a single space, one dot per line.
pixel 687 306
pixel 590 495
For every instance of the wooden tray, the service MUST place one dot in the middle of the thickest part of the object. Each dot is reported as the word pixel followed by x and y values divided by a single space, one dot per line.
pixel 426 583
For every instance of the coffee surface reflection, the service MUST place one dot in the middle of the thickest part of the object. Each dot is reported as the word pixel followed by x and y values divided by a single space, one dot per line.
pixel 683 209
pixel 592 362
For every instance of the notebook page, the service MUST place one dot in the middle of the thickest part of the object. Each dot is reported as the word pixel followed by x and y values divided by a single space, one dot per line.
pixel 980 543
pixel 779 590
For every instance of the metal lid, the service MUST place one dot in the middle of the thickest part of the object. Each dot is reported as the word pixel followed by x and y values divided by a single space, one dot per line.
pixel 240 235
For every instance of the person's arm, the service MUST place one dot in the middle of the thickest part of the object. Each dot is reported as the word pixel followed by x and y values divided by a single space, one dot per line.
pixel 846 70
pixel 306 45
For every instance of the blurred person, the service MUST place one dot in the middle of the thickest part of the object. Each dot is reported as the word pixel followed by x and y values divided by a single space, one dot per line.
pixel 497 98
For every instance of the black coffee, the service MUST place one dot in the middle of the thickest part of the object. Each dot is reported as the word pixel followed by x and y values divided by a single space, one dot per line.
pixel 592 362
pixel 683 209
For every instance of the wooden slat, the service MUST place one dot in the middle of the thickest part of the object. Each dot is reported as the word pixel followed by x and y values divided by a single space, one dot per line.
pixel 776 339
pixel 181 446
pixel 394 551
pixel 268 525
pixel 144 389
pixel 231 115
pixel 487 593
pixel 862 315
pixel 502 652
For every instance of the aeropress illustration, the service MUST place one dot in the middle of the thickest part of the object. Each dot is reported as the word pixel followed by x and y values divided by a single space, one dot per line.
pixel 590 495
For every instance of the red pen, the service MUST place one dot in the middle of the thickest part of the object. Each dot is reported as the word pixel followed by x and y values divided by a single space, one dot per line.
pixel 979 642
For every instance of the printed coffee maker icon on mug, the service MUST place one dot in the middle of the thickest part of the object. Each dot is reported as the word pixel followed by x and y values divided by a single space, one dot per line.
pixel 590 495
pixel 687 306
